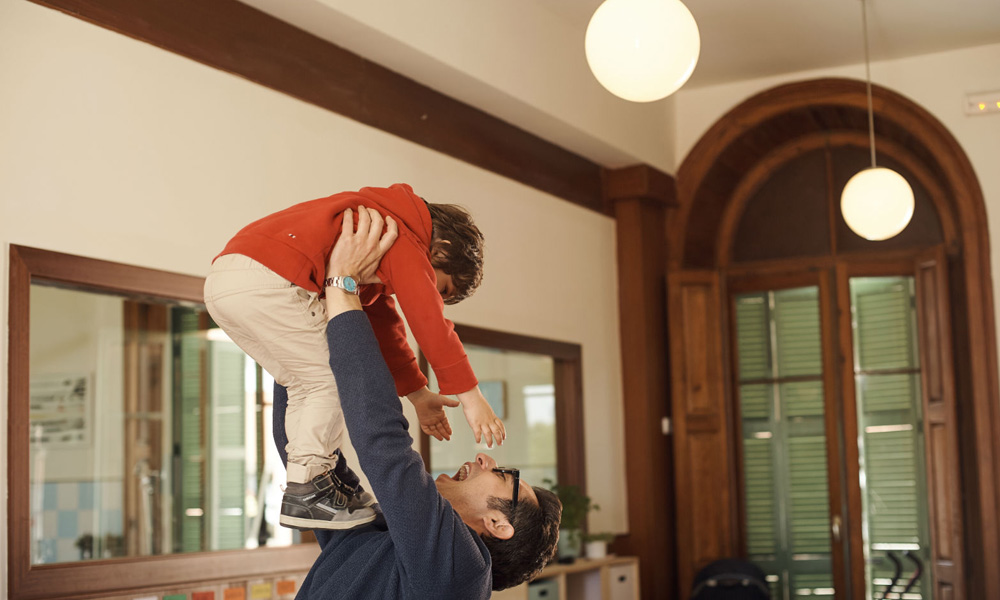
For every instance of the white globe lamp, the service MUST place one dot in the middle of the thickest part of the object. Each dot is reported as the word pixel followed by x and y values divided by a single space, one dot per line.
pixel 877 203
pixel 642 50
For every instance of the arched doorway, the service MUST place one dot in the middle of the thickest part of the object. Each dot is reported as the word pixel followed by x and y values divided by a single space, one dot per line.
pixel 758 223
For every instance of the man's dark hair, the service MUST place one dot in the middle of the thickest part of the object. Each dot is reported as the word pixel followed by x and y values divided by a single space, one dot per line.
pixel 456 248
pixel 533 545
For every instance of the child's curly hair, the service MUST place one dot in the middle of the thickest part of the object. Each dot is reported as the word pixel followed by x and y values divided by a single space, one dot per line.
pixel 457 248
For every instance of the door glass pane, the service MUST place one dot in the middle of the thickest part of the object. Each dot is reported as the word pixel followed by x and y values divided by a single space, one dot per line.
pixel 890 438
pixel 148 432
pixel 779 353
pixel 520 388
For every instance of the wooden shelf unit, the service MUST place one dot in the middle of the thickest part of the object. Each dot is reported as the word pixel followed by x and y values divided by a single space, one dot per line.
pixel 611 578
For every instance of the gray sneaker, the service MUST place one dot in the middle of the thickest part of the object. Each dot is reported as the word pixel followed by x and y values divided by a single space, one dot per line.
pixel 319 504
pixel 361 498
pixel 348 483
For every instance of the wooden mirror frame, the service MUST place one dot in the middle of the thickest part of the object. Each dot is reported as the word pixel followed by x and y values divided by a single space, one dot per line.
pixel 120 576
pixel 567 375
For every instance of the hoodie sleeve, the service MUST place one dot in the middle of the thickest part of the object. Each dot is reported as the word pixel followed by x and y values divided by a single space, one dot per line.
pixel 415 285
pixel 391 335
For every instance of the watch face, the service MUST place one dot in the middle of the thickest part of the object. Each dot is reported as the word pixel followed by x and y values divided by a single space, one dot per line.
pixel 349 284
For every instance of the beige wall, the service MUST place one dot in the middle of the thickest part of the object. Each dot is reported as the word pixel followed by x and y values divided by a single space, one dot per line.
pixel 114 149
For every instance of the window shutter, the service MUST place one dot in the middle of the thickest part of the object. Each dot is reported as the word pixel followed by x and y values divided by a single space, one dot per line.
pixel 941 425
pixel 891 452
pixel 227 446
pixel 706 519
pixel 189 436
pixel 781 402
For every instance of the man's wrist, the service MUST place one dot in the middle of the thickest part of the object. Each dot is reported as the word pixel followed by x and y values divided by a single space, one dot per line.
pixel 346 283
pixel 340 303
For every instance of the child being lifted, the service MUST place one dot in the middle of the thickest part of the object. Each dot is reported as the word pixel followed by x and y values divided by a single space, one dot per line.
pixel 265 288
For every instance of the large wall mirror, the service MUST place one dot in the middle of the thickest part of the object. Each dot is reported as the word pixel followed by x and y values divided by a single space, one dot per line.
pixel 139 436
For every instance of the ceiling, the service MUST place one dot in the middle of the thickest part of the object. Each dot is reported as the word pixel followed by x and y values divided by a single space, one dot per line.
pixel 745 39
pixel 523 60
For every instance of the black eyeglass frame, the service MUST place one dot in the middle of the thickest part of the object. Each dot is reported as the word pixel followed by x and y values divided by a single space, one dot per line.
pixel 517 484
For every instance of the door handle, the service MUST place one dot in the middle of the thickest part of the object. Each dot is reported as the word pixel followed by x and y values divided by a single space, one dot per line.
pixel 835 523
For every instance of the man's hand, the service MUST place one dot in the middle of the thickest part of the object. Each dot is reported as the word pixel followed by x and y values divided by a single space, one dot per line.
pixel 485 424
pixel 358 253
pixel 430 412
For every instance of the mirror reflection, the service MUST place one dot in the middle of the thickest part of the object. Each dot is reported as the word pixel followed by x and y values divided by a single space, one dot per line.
pixel 149 432
pixel 521 390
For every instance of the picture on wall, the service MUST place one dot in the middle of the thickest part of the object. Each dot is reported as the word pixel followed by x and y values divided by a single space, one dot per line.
pixel 60 410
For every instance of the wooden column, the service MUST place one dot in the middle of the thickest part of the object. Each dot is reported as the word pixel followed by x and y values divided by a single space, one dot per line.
pixel 640 198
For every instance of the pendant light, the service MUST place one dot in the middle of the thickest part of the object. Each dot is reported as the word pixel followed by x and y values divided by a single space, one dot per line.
pixel 642 50
pixel 877 203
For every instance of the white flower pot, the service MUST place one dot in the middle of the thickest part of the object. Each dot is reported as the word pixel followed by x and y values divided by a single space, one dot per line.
pixel 596 549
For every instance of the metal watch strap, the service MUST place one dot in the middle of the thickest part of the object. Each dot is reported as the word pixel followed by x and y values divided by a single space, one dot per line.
pixel 338 282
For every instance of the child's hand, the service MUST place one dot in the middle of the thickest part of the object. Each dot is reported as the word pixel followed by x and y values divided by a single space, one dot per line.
pixel 430 412
pixel 485 424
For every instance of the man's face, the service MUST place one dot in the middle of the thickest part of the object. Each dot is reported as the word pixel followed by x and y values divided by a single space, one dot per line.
pixel 470 489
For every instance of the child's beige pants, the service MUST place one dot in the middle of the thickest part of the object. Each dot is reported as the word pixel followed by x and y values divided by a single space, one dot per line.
pixel 283 328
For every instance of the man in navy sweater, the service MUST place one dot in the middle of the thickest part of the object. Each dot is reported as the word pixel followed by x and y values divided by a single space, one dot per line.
pixel 455 538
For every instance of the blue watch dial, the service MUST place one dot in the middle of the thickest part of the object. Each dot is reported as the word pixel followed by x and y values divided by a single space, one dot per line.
pixel 349 284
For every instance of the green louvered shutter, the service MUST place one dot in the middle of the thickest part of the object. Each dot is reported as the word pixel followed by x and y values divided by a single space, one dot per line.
pixel 227 446
pixel 890 425
pixel 188 431
pixel 784 448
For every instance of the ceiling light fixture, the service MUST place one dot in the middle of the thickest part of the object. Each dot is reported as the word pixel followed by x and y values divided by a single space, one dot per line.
pixel 877 203
pixel 642 50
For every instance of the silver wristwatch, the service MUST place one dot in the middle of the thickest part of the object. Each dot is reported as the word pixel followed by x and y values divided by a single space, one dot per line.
pixel 346 283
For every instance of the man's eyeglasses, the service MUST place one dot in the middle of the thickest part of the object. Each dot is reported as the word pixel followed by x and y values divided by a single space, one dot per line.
pixel 517 483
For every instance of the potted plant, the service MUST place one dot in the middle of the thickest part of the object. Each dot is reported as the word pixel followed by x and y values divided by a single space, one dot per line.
pixel 596 544
pixel 575 506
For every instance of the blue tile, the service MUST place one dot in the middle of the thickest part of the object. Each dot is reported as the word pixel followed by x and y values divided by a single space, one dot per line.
pixel 46 551
pixel 86 495
pixel 50 496
pixel 111 521
pixel 68 524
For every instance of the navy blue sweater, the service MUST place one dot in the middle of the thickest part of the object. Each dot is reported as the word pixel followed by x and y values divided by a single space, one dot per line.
pixel 421 549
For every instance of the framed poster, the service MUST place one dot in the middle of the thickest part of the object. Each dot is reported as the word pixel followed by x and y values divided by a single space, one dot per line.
pixel 60 413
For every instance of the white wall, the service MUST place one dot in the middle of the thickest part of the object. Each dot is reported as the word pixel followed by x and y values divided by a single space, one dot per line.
pixel 114 149
pixel 937 82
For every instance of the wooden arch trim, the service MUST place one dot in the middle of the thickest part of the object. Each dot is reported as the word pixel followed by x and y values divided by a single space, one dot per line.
pixel 958 182
pixel 773 161
pixel 890 108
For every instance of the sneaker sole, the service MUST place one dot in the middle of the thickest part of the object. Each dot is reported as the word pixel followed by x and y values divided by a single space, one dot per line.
pixel 306 524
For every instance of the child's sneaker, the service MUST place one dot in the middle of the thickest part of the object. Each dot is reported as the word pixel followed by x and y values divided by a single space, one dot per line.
pixel 349 483
pixel 320 505
pixel 362 498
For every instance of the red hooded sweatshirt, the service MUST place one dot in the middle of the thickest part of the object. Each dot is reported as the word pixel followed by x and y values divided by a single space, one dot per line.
pixel 296 244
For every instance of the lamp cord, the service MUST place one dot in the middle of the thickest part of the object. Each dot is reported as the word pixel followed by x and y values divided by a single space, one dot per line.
pixel 868 82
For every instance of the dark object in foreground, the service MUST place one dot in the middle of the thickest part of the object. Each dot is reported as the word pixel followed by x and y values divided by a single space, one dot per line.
pixel 730 579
